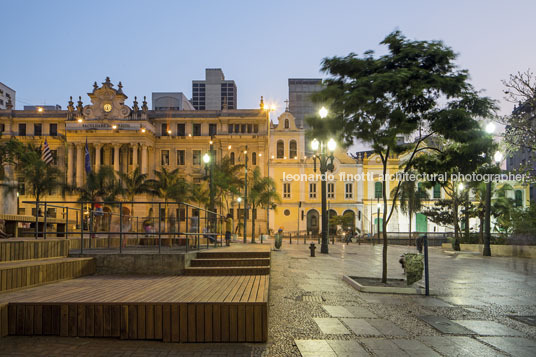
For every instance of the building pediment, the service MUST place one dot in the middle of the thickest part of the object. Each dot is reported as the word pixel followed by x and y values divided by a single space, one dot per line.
pixel 107 102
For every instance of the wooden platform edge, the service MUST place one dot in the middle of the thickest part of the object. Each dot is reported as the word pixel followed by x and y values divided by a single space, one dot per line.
pixel 168 322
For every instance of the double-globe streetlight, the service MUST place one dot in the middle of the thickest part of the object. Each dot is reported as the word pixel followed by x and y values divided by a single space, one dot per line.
pixel 497 158
pixel 324 154
pixel 208 159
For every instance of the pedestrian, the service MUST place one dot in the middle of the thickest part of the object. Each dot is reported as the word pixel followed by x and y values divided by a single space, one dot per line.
pixel 228 229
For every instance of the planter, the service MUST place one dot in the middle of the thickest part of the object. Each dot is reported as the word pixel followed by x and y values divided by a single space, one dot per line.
pixel 374 285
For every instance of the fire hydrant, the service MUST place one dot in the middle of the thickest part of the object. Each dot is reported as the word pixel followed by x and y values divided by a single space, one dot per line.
pixel 312 247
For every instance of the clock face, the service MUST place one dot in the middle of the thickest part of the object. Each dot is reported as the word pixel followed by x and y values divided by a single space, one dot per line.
pixel 107 108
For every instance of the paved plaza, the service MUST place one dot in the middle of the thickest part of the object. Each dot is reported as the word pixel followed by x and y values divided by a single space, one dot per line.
pixel 477 308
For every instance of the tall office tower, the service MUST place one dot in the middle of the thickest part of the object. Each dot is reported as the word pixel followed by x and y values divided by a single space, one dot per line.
pixel 299 96
pixel 214 93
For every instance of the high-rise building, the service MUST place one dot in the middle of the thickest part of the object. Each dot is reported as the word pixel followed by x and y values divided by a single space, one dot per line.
pixel 6 94
pixel 214 93
pixel 171 101
pixel 299 96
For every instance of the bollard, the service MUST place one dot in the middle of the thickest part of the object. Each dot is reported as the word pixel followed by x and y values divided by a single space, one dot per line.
pixel 312 247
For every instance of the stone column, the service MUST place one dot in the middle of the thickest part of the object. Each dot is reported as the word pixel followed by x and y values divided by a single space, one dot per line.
pixel 98 148
pixel 135 156
pixel 79 165
pixel 70 164
pixel 144 159
pixel 117 148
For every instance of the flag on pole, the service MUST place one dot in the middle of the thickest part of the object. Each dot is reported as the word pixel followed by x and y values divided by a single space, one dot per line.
pixel 46 154
pixel 87 159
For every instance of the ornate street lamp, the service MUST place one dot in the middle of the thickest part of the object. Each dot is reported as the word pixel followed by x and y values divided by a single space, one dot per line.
pixel 490 129
pixel 208 159
pixel 324 155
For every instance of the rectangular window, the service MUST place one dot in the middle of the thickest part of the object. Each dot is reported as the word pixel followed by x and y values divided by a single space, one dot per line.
pixel 286 190
pixel 181 214
pixel 2 128
pixel 212 129
pixel 197 130
pixel 349 190
pixel 331 190
pixel 180 157
pixel 53 130
pixel 230 128
pixel 38 129
pixel 437 190
pixel 378 190
pixel 250 128
pixel 196 157
pixel 243 128
pixel 164 130
pixel 165 158
pixel 256 128
pixel 237 128
pixel 312 190
pixel 181 129
pixel 22 129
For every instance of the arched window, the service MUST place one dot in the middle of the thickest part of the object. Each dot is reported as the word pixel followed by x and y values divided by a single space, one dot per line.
pixel 519 198
pixel 280 149
pixel 254 158
pixel 287 125
pixel 293 149
pixel 232 158
pixel 378 191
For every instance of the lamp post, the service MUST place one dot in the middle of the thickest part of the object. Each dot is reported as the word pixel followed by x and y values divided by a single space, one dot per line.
pixel 324 154
pixel 208 159
pixel 246 196
pixel 378 220
pixel 490 129
pixel 239 200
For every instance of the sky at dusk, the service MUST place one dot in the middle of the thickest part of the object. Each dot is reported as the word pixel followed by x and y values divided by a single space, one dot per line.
pixel 53 49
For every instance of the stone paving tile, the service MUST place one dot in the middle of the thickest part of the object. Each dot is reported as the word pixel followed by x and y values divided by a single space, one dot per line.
pixel 361 327
pixel 347 348
pixel 488 328
pixel 337 311
pixel 459 346
pixel 360 312
pixel 398 347
pixel 516 346
pixel 315 348
pixel 331 326
pixel 387 328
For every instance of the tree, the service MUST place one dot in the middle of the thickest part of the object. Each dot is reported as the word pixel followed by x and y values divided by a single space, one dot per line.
pixel 41 177
pixel 414 90
pixel 133 183
pixel 411 198
pixel 228 180
pixel 168 185
pixel 520 126
pixel 262 194
pixel 199 194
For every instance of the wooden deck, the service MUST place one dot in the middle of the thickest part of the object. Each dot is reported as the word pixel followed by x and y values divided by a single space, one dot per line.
pixel 167 308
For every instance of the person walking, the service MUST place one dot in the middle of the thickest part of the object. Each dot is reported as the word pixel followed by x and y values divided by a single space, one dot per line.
pixel 228 229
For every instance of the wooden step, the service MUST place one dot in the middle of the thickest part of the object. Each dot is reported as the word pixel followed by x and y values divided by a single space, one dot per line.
pixel 22 274
pixel 230 262
pixel 229 255
pixel 242 270
pixel 13 250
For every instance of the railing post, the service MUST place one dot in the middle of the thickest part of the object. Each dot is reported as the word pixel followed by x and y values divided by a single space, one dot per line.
pixel 91 231
pixel 81 228
pixel 67 223
pixel 36 219
pixel 45 222
pixel 159 227
pixel 426 271
pixel 120 227
pixel 290 237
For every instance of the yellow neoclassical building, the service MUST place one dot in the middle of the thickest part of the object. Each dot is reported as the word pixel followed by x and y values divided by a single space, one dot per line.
pixel 128 136
pixel 299 187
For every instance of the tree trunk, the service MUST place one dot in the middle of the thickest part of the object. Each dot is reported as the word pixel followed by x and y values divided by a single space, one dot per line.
pixel 384 223
pixel 456 232
pixel 410 214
